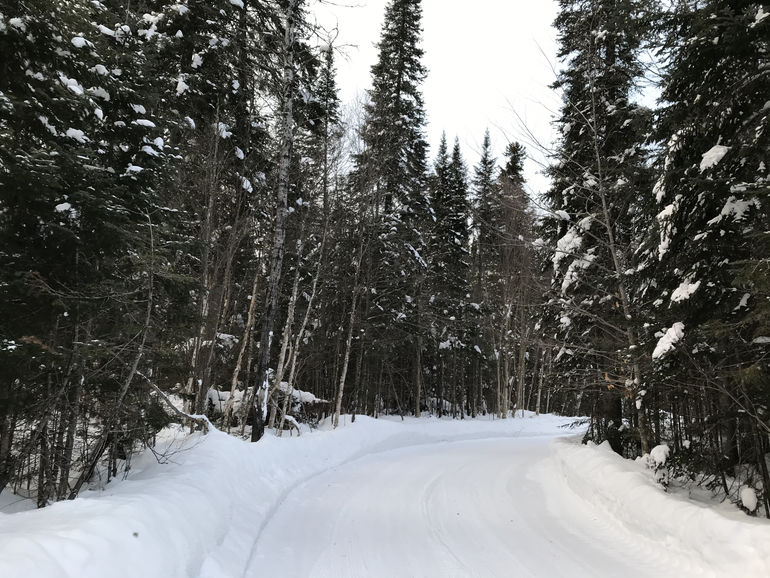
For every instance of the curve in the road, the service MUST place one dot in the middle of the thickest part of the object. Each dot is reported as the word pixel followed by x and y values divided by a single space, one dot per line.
pixel 453 509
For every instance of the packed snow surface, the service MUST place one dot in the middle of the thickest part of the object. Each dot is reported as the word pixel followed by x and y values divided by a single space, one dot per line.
pixel 422 497
pixel 453 508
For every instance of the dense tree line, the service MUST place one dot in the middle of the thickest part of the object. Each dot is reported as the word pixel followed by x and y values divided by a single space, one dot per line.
pixel 192 223
pixel 656 229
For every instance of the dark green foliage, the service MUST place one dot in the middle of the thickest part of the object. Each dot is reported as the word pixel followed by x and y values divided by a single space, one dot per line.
pixel 100 244
pixel 390 178
pixel 706 259
pixel 712 193
pixel 592 225
pixel 449 260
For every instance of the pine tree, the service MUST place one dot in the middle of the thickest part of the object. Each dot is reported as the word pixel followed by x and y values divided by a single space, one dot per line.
pixel 457 218
pixel 485 274
pixel 486 208
pixel 597 172
pixel 448 279
pixel 328 117
pixel 707 260
pixel 394 159
pixel 390 177
pixel 80 198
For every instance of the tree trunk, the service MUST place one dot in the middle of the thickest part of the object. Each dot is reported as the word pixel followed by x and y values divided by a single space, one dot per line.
pixel 418 373
pixel 279 237
pixel 66 458
pixel 286 336
pixel 301 333
pixel 242 351
pixel 540 379
pixel 523 337
pixel 348 342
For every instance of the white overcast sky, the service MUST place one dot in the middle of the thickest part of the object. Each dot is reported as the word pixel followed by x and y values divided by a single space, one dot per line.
pixel 488 61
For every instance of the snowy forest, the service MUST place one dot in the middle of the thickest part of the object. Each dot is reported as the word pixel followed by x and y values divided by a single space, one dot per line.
pixel 195 229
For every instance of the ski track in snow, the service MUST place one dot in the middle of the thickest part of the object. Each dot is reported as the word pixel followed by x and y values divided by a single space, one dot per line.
pixel 453 509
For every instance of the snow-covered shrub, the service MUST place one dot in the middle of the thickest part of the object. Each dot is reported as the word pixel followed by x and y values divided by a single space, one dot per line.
pixel 656 461
pixel 622 437
pixel 748 499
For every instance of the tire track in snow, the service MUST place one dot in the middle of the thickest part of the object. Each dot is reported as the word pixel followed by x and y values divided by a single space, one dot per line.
pixel 451 509
pixel 433 527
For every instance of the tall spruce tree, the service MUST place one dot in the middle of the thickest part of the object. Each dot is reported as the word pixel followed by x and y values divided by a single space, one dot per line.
pixel 597 172
pixel 708 271
pixel 486 209
pixel 390 176
pixel 448 280
pixel 484 275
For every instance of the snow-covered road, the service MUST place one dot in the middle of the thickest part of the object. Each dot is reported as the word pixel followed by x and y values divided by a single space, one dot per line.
pixel 387 498
pixel 459 508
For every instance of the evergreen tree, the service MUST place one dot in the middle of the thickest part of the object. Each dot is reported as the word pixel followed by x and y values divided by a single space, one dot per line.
pixel 486 208
pixel 597 171
pixel 83 163
pixel 448 281
pixel 485 274
pixel 328 117
pixel 390 177
pixel 394 157
pixel 707 260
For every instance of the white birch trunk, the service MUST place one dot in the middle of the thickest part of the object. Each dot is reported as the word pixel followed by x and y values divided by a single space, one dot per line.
pixel 279 237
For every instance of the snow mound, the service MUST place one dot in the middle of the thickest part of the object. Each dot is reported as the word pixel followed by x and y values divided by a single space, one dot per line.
pixel 299 395
pixel 659 455
pixel 748 498
pixel 706 541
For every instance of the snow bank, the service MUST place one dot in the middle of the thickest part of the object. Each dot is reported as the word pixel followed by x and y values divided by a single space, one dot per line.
pixel 716 542
pixel 200 513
